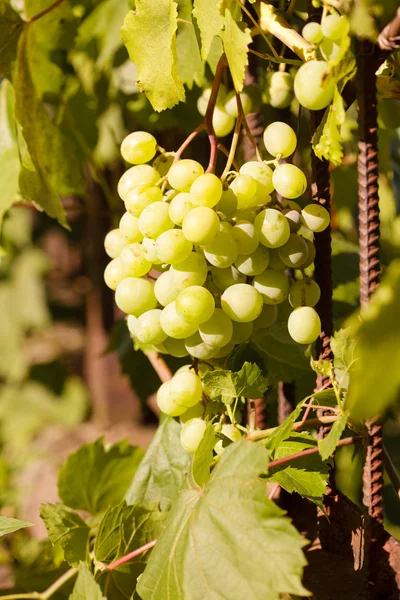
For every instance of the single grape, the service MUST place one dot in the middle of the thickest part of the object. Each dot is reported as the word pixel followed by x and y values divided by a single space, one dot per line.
pixel 200 225
pixel 148 329
pixel 114 243
pixel 163 163
pixel 131 323
pixel 242 302
pixel 137 175
pixel 272 227
pixel 294 219
pixel 217 331
pixel 150 251
pixel 312 33
pixel 245 189
pixel 172 246
pixel 295 252
pixel 186 389
pixel 229 431
pixel 228 203
pixel 225 350
pixel 314 85
pixel 334 26
pixel 173 324
pixel 179 207
pixel 199 349
pixel 129 227
pixel 273 286
pixel 290 205
pixel 206 190
pixel 175 347
pixel 254 263
pixel 133 261
pixel 195 304
pixel 202 102
pixel 241 332
pixel 154 220
pixel 196 411
pixel 279 91
pixel 113 273
pixel 222 122
pixel 192 433
pixel 165 402
pixel 315 217
pixel 138 147
pixel 304 292
pixel 183 173
pixel 267 317
pixel 222 251
pixel 231 104
pixel 311 254
pixel 134 296
pixel 141 196
pixel 275 261
pixel 289 181
pixel 280 139
pixel 246 237
pixel 224 278
pixel 304 325
pixel 191 271
pixel 262 173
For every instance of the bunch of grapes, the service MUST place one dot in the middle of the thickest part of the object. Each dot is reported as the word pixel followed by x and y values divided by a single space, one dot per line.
pixel 198 264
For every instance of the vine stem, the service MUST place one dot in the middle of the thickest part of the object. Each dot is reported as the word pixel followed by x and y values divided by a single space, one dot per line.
pixel 188 140
pixel 241 116
pixel 225 151
pixel 273 22
pixel 260 435
pixel 47 593
pixel 44 12
pixel 160 366
pixel 281 461
pixel 128 557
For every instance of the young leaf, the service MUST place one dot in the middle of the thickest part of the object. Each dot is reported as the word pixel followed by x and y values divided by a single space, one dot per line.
pixel 236 42
pixel 327 445
pixel 322 367
pixel 196 556
pixel 284 430
pixel 162 470
pixel 94 478
pixel 203 457
pixel 343 346
pixel 85 587
pixel 248 382
pixel 149 36
pixel 210 22
pixel 67 529
pixel 9 525
pixel 9 156
pixel 327 142
pixel 190 65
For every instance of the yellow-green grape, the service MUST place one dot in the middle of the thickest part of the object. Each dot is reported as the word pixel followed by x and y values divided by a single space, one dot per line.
pixel 241 332
pixel 246 236
pixel 134 296
pixel 199 349
pixel 312 33
pixel 229 431
pixel 196 411
pixel 133 261
pixel 272 227
pixel 114 243
pixel 129 227
pixel 267 317
pixel 289 181
pixel 304 325
pixel 225 350
pixel 334 26
pixel 173 324
pixel 113 273
pixel 315 217
pixel 222 251
pixel 186 388
pixel 275 261
pixel 200 225
pixel 273 286
pixel 314 84
pixel 154 220
pixel 172 246
pixel 165 402
pixel 311 254
pixel 131 323
pixel 262 173
pixel 304 292
pixel 191 271
pixel 295 252
pixel 279 91
pixel 223 123
pixel 150 251
pixel 192 433
pixel 231 104
pixel 138 147
pixel 245 189
pixel 228 203
pixel 163 163
pixel 195 304
pixel 175 347
pixel 280 139
pixel 217 331
pixel 290 205
pixel 148 328
pixel 179 207
pixel 254 263
pixel 183 173
pixel 294 219
pixel 206 190
pixel 242 302
pixel 202 101
pixel 137 175
pixel 141 196
pixel 224 278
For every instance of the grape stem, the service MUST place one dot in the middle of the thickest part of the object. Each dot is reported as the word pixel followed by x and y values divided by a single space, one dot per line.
pixel 232 151
pixel 288 61
pixel 188 140
pixel 130 556
pixel 160 366
pixel 47 593
pixel 225 151
pixel 314 422
pixel 207 123
pixel 344 442
pixel 243 119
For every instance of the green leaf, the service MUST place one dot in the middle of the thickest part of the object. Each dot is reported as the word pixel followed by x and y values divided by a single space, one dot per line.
pixel 236 42
pixel 375 373
pixel 9 156
pixel 322 367
pixel 203 457
pixel 210 22
pixel 344 348
pixel 248 382
pixel 9 525
pixel 85 587
pixel 284 359
pixel 190 65
pixel 306 476
pixel 284 430
pixel 325 397
pixel 94 478
pixel 149 36
pixel 207 530
pixel 66 528
pixel 162 470
pixel 327 142
pixel 362 23
pixel 11 26
pixel 327 445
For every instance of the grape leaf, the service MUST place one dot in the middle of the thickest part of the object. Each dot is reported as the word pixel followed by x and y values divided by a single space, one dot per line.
pixel 327 445
pixel 9 525
pixel 162 470
pixel 66 528
pixel 11 26
pixel 196 556
pixel 248 382
pixel 284 430
pixel 203 457
pixel 85 587
pixel 327 141
pixel 9 156
pixel 190 65
pixel 94 478
pixel 149 36
pixel 236 42
pixel 284 359
pixel 210 22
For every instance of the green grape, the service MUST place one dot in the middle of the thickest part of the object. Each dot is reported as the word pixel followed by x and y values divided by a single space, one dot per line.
pixel 222 122
pixel 311 254
pixel 200 225
pixel 163 163
pixel 280 139
pixel 113 273
pixel 114 243
pixel 289 181
pixel 294 219
pixel 334 26
pixel 295 252
pixel 179 207
pixel 217 331
pixel 267 317
pixel 196 411
pixel 231 104
pixel 150 251
pixel 290 205
pixel 175 348
pixel 186 389
pixel 246 236
pixel 279 92
pixel 225 350
pixel 172 246
pixel 137 175
pixel 304 325
pixel 129 227
pixel 133 261
pixel 131 323
pixel 195 304
pixel 224 278
pixel 245 189
pixel 314 85
pixel 275 261
pixel 154 220
pixel 254 263
pixel 206 190
pixel 134 296
pixel 262 173
pixel 312 33
pixel 229 431
pixel 222 251
pixel 148 329
pixel 199 349
pixel 241 332
pixel 315 217
pixel 304 292
pixel 273 286
pixel 202 102
pixel 272 227
pixel 242 302
pixel 228 203
pixel 138 147
pixel 173 324
pixel 165 402
pixel 192 433
pixel 183 173
pixel 191 271
pixel 141 196
pixel 165 288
